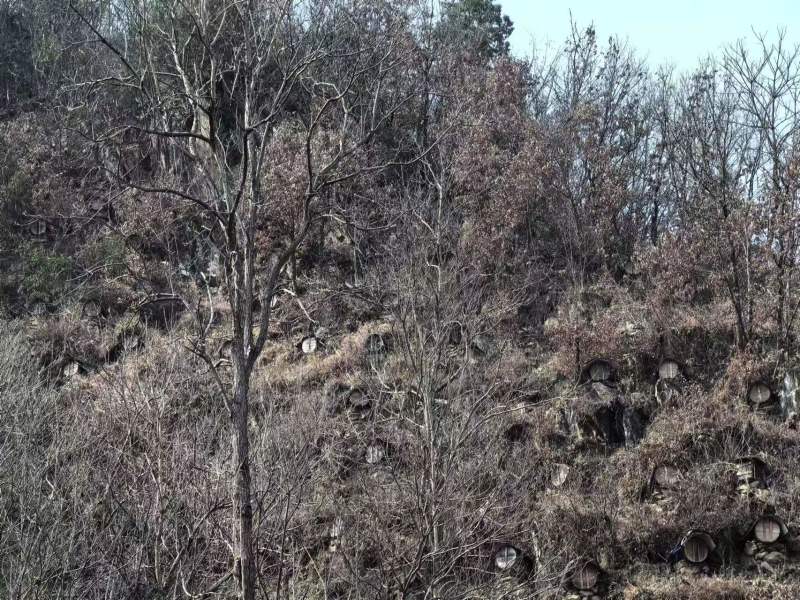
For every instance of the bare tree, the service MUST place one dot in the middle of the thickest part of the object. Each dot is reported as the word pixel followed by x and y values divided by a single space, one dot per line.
pixel 226 92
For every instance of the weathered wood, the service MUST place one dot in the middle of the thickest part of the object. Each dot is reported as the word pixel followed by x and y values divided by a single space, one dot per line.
pixel 697 546
pixel 666 477
pixel 309 344
pixel 70 369
pixel 668 369
pixel 162 311
pixel 759 393
pixel 767 530
pixel 600 371
pixel 358 400
pixel 559 475
pixel 695 550
pixel 376 348
pixel 91 309
pixel 506 557
pixel 454 335
pixel 374 454
pixel 586 576
pixel 38 227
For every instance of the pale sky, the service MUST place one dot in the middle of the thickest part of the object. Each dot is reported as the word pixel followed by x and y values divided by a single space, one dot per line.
pixel 679 32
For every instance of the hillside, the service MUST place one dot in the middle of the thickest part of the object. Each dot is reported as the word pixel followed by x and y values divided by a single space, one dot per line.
pixel 350 303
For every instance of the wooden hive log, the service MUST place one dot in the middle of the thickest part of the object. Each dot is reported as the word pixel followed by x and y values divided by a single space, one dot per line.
pixel 309 344
pixel 454 335
pixel 376 348
pixel 162 311
pixel 769 529
pixel 480 345
pixel 665 477
pixel 759 394
pixel 358 401
pixel 91 309
pixel 374 454
pixel 225 349
pixel 70 369
pixel 96 205
pixel 506 557
pixel 697 546
pixel 668 369
pixel 586 576
pixel 751 473
pixel 598 370
pixel 559 475
pixel 38 227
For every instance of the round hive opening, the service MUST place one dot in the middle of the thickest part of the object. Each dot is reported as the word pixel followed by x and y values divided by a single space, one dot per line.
pixel 600 370
pixel 309 345
pixel 506 557
pixel 767 530
pixel 666 476
pixel 70 369
pixel 374 454
pixel 586 576
pixel 375 344
pixel 668 369
pixel 695 550
pixel 759 393
pixel 38 227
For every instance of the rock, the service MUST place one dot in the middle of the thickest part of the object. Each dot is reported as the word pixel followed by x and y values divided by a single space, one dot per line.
pixel 774 557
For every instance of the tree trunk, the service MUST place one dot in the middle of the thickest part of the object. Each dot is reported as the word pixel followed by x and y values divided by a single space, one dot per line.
pixel 242 499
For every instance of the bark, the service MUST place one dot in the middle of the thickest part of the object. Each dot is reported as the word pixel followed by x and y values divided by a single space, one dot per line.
pixel 242 494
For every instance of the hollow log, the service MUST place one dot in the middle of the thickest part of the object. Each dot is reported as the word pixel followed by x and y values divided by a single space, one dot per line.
pixel 759 394
pixel 697 546
pixel 668 369
pixel 597 370
pixel 600 371
pixel 375 344
pixel 559 475
pixel 70 369
pixel 454 335
pixel 309 344
pixel 666 477
pixel 38 227
pixel 358 400
pixel 163 311
pixel 751 472
pixel 769 529
pixel 96 205
pixel 374 454
pixel 91 309
pixel 586 576
pixel 506 557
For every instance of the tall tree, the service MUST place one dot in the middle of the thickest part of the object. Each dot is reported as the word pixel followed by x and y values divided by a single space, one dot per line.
pixel 255 109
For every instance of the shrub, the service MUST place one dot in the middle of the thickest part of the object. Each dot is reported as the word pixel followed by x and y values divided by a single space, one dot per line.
pixel 45 275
